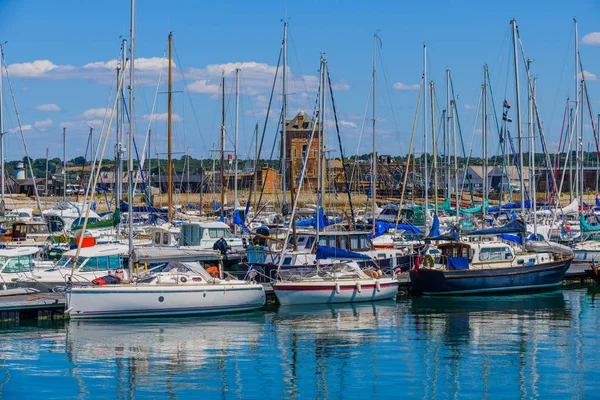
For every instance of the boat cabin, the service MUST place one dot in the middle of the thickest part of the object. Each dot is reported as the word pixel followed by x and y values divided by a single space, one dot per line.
pixel 17 260
pixel 91 259
pixel 31 232
pixel 206 234
pixel 352 241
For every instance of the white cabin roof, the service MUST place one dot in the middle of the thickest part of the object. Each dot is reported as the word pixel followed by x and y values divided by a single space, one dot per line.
pixel 18 251
pixel 99 251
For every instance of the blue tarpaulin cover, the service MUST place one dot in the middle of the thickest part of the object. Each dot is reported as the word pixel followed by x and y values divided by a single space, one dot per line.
pixel 382 227
pixel 457 263
pixel 324 252
pixel 323 220
pixel 516 226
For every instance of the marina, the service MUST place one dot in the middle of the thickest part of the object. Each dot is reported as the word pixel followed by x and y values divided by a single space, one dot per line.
pixel 243 206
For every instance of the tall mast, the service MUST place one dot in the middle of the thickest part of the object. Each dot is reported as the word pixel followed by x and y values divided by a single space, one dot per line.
pixel 46 178
pixel 64 164
pixel 452 116
pixel 321 121
pixel 581 140
pixel 149 156
pixel 580 105
pixel 131 132
pixel 283 127
pixel 170 132
pixel 235 145
pixel 518 105
pixel 255 166
pixel 374 168
pixel 223 144
pixel 120 130
pixel 435 176
pixel 447 115
pixel 484 189
pixel 425 172
pixel 532 151
pixel 2 204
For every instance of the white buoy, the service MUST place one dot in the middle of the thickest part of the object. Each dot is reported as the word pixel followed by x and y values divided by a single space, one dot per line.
pixel 378 286
pixel 358 287
pixel 337 287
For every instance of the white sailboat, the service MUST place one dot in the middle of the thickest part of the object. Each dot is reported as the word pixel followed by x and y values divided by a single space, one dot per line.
pixel 181 288
pixel 342 282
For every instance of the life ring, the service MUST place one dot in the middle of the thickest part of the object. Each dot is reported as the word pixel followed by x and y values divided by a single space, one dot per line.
pixel 372 274
pixel 428 261
pixel 213 271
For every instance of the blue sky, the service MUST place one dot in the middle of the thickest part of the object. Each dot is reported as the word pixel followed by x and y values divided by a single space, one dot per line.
pixel 59 56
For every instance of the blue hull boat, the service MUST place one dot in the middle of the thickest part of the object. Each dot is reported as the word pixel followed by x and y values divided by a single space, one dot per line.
pixel 489 280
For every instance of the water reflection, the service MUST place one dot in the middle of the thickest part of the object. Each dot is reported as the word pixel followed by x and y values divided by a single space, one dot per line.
pixel 526 346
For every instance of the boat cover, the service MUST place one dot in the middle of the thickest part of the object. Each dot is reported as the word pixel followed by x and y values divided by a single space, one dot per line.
pixel 586 227
pixel 516 226
pixel 458 263
pixel 548 247
pixel 166 254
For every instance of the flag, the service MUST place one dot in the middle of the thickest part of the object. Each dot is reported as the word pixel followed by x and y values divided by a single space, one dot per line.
pixel 506 118
pixel 417 262
pixel 506 104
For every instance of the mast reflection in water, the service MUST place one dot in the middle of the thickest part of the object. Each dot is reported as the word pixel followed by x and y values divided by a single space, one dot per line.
pixel 527 346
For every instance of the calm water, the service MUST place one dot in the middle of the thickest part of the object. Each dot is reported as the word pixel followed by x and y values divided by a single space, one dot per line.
pixel 527 346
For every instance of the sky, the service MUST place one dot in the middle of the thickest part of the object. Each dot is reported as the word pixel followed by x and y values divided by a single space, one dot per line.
pixel 61 59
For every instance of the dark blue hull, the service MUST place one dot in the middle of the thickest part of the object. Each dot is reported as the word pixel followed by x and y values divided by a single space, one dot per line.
pixel 493 280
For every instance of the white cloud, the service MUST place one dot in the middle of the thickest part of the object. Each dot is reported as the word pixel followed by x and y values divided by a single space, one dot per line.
pixel 470 107
pixel 95 113
pixel 42 125
pixel 403 86
pixel 348 124
pixel 23 128
pixel 48 107
pixel 162 117
pixel 202 86
pixel 590 77
pixel 34 69
pixel 95 123
pixel 341 85
pixel 592 38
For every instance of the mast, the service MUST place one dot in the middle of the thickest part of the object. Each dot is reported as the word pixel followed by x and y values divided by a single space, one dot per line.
pixel 235 145
pixel 223 144
pixel 2 203
pixel 46 178
pixel 581 139
pixel 580 105
pixel 447 114
pixel 255 166
pixel 131 131
pixel 374 168
pixel 170 132
pixel 120 130
pixel 435 176
pixel 149 156
pixel 518 105
pixel 321 123
pixel 425 173
pixel 64 164
pixel 283 127
pixel 484 189
pixel 597 161
pixel 533 190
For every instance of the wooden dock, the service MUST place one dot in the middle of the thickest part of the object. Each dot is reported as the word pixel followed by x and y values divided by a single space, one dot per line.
pixel 32 306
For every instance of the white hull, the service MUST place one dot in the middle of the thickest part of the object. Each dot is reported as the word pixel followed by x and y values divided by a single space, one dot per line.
pixel 341 291
pixel 587 255
pixel 113 301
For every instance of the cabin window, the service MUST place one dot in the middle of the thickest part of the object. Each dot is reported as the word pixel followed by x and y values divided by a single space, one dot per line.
pixel 287 261
pixel 309 242
pixel 344 242
pixel 520 262
pixel 91 264
pixel 17 264
pixel 157 237
pixel 323 241
pixel 355 242
pixel 364 241
pixel 165 238
pixel 493 254
pixel 381 256
pixel 218 233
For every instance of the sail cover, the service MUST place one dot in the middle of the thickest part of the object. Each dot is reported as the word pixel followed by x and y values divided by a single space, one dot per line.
pixel 516 226
pixel 324 252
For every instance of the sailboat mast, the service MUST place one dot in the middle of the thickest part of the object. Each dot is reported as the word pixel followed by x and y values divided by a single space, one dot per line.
pixel 518 105
pixel 235 145
pixel 131 131
pixel 64 164
pixel 170 132
pixel 435 175
pixel 374 168
pixel 2 204
pixel 425 174
pixel 580 105
pixel 120 130
pixel 532 151
pixel 223 144
pixel 321 122
pixel 447 115
pixel 484 189
pixel 283 125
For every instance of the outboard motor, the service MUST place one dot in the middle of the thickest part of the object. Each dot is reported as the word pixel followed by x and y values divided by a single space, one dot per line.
pixel 221 245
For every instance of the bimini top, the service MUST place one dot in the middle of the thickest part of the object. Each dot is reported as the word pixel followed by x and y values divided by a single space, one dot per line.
pixel 18 251
pixel 99 251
